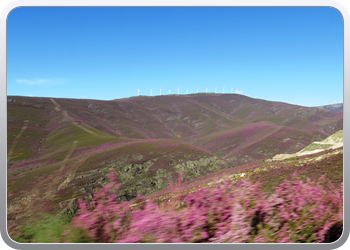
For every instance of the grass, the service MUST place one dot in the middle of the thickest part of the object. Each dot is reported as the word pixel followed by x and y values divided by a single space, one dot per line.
pixel 209 128
pixel 337 137
pixel 314 146
pixel 17 113
pixel 29 179
pixel 31 136
pixel 50 229
pixel 273 119
pixel 246 111
pixel 62 138
pixel 18 170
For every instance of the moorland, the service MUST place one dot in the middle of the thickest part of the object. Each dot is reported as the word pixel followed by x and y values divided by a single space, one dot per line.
pixel 60 151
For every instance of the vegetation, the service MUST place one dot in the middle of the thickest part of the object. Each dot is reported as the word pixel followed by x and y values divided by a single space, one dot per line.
pixel 61 151
pixel 297 212
pixel 51 229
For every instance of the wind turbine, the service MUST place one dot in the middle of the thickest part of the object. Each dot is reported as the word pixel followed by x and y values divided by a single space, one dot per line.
pixel 239 92
pixel 151 92
pixel 178 89
pixel 169 91
pixel 206 90
pixel 197 90
pixel 223 90
pixel 215 90
pixel 138 92
pixel 160 91
pixel 187 91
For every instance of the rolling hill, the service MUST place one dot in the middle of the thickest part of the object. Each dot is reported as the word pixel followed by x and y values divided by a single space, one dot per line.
pixel 61 149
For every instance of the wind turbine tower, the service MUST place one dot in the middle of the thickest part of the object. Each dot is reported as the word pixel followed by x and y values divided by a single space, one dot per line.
pixel 178 90
pixel 197 90
pixel 206 90
pixel 138 92
pixel 169 91
pixel 187 91
pixel 223 90
pixel 160 91
pixel 151 93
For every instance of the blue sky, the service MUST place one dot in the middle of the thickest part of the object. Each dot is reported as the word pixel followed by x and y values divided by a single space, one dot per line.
pixel 292 55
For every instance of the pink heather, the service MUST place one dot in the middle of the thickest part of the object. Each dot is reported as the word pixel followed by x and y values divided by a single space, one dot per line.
pixel 296 212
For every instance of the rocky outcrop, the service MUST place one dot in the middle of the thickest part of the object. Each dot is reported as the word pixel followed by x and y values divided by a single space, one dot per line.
pixel 197 168
pixel 69 207
pixel 139 179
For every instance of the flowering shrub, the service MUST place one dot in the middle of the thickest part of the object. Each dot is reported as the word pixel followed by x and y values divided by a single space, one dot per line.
pixel 296 212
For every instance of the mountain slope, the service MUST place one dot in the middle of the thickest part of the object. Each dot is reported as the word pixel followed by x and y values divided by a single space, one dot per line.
pixel 331 142
pixel 333 107
pixel 61 149
pixel 185 118
pixel 143 167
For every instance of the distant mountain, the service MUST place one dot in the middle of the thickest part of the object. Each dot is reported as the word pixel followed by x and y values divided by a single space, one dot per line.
pixel 333 107
pixel 61 149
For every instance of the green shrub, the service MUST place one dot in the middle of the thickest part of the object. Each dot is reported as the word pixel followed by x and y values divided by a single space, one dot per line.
pixel 51 229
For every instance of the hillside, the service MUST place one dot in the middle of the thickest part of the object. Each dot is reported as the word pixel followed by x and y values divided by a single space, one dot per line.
pixel 272 172
pixel 61 149
pixel 308 188
pixel 331 142
pixel 192 119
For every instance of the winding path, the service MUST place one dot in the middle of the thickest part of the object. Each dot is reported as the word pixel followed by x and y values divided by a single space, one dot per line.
pixel 64 162
pixel 71 174
pixel 65 114
pixel 13 145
